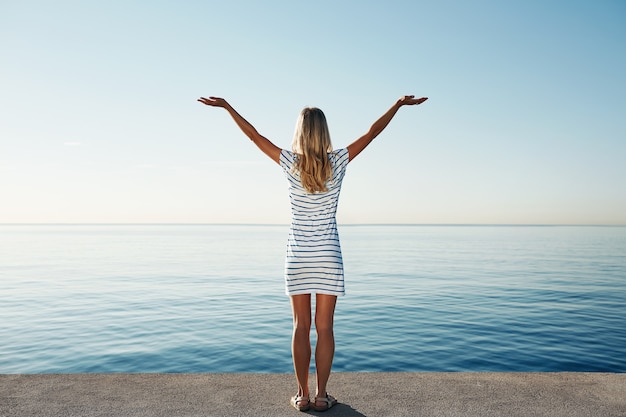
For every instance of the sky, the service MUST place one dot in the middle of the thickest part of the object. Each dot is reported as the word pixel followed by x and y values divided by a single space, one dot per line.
pixel 525 122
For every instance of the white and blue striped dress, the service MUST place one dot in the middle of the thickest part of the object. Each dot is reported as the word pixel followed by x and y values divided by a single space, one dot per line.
pixel 313 264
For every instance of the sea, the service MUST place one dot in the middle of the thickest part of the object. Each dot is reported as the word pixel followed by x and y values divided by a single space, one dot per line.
pixel 210 298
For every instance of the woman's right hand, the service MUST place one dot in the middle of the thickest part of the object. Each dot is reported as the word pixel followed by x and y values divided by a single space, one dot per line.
pixel 411 100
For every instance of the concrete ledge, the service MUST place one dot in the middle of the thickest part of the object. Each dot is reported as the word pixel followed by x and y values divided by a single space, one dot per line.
pixel 359 394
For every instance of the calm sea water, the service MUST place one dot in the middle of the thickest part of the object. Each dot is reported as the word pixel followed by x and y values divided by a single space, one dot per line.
pixel 208 298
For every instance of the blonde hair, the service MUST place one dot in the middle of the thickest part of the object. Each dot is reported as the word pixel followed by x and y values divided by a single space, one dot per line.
pixel 311 144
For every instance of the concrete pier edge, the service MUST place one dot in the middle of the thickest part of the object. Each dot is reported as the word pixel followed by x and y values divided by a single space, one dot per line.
pixel 567 394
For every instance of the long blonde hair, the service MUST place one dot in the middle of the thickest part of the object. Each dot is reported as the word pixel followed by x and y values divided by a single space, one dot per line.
pixel 311 144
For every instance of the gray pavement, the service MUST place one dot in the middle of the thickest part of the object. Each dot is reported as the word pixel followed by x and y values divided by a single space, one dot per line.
pixel 360 394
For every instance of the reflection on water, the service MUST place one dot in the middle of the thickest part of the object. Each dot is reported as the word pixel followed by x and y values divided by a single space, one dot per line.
pixel 206 298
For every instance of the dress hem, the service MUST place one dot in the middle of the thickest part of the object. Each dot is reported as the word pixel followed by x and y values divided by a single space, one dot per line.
pixel 338 294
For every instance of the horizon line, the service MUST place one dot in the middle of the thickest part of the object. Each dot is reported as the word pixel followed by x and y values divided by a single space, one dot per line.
pixel 339 224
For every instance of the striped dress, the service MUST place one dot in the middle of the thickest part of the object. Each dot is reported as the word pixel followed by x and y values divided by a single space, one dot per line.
pixel 313 263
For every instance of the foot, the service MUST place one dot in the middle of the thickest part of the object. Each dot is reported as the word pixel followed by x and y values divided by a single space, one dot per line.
pixel 300 403
pixel 324 403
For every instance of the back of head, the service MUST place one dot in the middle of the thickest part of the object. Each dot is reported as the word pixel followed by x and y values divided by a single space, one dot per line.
pixel 311 143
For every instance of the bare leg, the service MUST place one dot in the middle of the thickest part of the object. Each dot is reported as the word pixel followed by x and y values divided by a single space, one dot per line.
pixel 301 342
pixel 325 348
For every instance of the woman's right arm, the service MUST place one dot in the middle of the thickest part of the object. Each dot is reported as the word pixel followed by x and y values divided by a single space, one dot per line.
pixel 259 140
pixel 379 125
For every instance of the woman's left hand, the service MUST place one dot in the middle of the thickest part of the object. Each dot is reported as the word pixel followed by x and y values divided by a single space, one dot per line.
pixel 213 101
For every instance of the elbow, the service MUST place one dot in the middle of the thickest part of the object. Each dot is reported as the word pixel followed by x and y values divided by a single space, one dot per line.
pixel 373 133
pixel 253 135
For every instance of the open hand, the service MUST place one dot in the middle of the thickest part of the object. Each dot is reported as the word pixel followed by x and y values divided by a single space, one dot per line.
pixel 213 101
pixel 411 100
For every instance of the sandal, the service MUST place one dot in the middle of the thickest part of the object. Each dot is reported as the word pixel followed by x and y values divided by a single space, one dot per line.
pixel 328 400
pixel 296 401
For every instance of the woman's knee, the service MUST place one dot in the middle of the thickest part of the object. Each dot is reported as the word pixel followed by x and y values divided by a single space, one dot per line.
pixel 301 306
pixel 324 325
pixel 324 328
pixel 324 314
pixel 302 326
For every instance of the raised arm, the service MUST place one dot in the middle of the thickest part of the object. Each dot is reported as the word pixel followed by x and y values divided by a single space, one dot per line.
pixel 379 125
pixel 259 140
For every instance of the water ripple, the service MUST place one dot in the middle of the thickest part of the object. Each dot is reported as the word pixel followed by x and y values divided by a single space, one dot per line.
pixel 210 299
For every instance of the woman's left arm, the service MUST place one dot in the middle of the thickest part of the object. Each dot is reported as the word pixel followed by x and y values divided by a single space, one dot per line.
pixel 259 140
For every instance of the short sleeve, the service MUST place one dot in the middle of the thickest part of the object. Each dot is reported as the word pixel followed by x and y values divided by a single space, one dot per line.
pixel 286 160
pixel 340 159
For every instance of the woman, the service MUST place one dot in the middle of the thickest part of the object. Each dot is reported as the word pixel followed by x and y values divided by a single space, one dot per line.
pixel 313 263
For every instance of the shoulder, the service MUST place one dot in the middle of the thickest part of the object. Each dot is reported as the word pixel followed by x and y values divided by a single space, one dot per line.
pixel 286 158
pixel 340 157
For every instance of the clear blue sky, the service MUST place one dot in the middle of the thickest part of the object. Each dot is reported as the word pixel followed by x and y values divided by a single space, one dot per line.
pixel 526 121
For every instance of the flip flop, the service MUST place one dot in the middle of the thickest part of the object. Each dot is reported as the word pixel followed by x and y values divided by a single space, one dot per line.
pixel 297 399
pixel 328 401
